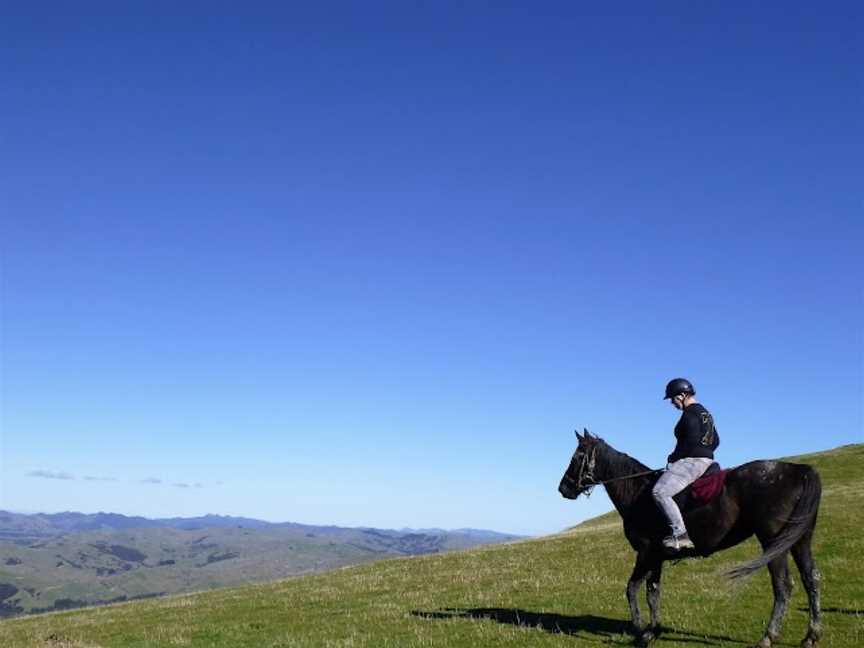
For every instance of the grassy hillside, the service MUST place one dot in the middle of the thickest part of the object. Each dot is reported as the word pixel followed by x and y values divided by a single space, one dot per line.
pixel 92 567
pixel 561 590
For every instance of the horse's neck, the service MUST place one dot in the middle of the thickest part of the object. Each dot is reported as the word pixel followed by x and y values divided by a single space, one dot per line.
pixel 622 492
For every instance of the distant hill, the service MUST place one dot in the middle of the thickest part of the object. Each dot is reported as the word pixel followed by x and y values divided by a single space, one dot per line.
pixel 558 591
pixel 20 526
pixel 66 560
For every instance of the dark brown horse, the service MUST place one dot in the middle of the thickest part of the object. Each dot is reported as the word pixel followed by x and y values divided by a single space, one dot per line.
pixel 775 500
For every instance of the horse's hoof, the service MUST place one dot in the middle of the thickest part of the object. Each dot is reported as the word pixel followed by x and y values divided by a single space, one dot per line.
pixel 764 642
pixel 645 638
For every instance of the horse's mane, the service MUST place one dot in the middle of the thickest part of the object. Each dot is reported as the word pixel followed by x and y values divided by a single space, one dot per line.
pixel 619 464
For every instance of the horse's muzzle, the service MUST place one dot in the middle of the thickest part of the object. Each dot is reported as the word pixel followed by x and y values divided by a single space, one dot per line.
pixel 567 490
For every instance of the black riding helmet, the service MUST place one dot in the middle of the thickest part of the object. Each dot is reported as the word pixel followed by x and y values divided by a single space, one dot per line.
pixel 678 386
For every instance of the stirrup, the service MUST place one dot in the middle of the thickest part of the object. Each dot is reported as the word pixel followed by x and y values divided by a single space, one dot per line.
pixel 677 543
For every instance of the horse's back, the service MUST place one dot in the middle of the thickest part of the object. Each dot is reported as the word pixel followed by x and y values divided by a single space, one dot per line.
pixel 769 489
pixel 768 473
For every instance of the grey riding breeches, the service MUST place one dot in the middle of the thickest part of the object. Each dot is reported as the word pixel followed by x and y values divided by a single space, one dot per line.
pixel 677 477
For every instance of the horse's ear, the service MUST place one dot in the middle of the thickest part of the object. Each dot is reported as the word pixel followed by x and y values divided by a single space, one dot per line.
pixel 577 435
pixel 587 433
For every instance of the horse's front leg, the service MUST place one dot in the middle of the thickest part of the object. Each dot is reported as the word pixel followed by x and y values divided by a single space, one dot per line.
pixel 640 571
pixel 653 592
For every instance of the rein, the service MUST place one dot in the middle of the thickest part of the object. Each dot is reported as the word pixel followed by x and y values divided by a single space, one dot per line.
pixel 639 474
pixel 586 472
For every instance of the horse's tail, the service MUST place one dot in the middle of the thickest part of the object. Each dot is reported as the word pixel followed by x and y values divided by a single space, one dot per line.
pixel 802 520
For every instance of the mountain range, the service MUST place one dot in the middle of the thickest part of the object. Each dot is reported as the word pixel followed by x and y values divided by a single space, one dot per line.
pixel 66 560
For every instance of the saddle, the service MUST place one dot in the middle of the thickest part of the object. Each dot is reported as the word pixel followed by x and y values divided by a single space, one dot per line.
pixel 704 489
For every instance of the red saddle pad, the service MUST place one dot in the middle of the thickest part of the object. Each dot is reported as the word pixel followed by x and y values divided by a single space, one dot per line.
pixel 707 488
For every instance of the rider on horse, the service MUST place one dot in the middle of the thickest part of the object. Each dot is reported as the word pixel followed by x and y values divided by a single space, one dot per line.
pixel 697 439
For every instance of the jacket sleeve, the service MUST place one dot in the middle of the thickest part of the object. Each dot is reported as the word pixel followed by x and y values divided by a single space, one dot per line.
pixel 708 436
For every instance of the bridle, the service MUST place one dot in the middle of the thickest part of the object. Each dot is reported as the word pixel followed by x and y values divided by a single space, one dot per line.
pixel 585 473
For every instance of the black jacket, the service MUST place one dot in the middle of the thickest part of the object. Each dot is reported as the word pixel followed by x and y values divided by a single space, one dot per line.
pixel 696 434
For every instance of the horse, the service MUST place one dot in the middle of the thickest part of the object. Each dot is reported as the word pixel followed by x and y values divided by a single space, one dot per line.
pixel 775 500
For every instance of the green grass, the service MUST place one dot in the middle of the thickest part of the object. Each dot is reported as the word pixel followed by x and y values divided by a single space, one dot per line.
pixel 563 590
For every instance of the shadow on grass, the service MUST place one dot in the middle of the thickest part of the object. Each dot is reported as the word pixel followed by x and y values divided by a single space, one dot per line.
pixel 583 624
pixel 555 623
pixel 836 610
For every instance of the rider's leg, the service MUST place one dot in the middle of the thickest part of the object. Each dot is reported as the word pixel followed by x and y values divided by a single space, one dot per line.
pixel 677 477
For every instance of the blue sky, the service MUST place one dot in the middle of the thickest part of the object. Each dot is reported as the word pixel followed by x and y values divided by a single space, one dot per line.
pixel 373 263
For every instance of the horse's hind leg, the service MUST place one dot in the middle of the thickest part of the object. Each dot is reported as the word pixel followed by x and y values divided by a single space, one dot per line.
pixel 810 577
pixel 782 586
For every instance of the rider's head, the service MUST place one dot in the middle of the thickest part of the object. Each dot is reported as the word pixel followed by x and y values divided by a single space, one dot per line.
pixel 680 393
